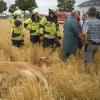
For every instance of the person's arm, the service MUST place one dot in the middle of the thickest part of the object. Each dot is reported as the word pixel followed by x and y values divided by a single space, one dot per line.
pixel 21 28
pixel 43 21
pixel 27 23
pixel 85 30
pixel 41 25
pixel 75 27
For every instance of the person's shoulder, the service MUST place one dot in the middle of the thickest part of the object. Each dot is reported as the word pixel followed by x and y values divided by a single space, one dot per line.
pixel 17 20
pixel 29 20
pixel 44 18
pixel 72 18
pixel 93 20
pixel 69 19
pixel 87 21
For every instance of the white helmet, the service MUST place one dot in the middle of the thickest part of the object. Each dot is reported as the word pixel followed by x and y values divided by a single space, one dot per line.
pixel 18 13
pixel 36 10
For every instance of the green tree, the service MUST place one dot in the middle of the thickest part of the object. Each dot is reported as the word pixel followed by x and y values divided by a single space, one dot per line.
pixel 3 6
pixel 13 8
pixel 25 4
pixel 66 5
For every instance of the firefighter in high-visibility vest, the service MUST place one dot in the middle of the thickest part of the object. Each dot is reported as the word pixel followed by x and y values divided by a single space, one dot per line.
pixel 17 33
pixel 32 24
pixel 51 34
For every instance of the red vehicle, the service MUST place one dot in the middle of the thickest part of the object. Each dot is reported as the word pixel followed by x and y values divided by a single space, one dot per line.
pixel 62 16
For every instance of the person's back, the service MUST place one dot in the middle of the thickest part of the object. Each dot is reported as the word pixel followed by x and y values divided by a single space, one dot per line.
pixel 71 34
pixel 94 29
pixel 17 23
pixel 69 24
pixel 91 35
pixel 17 28
pixel 17 33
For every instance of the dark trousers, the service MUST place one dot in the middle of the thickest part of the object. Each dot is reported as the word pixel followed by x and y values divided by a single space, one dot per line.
pixel 35 39
pixel 47 42
pixel 80 44
pixel 57 43
pixel 90 52
pixel 18 43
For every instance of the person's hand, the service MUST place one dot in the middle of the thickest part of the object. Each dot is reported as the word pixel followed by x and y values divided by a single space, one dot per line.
pixel 23 35
pixel 59 37
pixel 83 38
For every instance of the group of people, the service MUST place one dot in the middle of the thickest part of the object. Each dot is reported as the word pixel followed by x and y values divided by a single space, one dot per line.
pixel 77 34
pixel 45 27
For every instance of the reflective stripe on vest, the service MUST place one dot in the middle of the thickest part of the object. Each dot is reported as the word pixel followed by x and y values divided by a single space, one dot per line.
pixel 34 28
pixel 51 29
pixel 16 29
pixel 16 32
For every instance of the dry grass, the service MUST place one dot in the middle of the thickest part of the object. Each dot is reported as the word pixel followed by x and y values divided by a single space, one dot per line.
pixel 67 81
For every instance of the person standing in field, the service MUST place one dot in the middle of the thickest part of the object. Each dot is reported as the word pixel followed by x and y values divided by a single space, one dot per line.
pixel 51 34
pixel 71 35
pixel 17 33
pixel 91 36
pixel 32 24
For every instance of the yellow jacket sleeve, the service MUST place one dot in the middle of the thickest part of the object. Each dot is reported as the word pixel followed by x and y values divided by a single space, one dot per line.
pixel 43 21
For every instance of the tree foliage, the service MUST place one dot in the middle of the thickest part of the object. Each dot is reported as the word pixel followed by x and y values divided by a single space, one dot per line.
pixel 13 8
pixel 25 4
pixel 66 5
pixel 3 6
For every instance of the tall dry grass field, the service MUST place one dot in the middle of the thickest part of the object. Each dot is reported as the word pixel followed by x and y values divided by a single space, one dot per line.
pixel 66 80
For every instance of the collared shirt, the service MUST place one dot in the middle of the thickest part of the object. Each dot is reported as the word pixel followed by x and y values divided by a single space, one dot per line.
pixel 92 28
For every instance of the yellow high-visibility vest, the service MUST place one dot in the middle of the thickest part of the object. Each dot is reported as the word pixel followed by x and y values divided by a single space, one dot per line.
pixel 17 33
pixel 49 28
pixel 32 26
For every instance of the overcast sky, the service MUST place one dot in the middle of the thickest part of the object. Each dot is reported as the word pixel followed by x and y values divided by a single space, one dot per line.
pixel 44 5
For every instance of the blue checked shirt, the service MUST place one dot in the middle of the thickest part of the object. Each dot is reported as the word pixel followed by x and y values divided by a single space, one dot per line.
pixel 92 28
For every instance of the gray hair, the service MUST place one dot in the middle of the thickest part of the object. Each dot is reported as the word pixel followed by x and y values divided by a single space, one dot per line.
pixel 75 12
